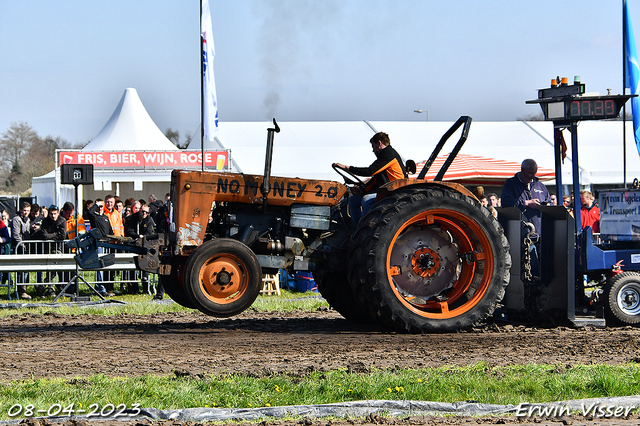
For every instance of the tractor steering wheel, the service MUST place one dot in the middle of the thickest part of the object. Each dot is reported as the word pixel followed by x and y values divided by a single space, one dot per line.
pixel 347 175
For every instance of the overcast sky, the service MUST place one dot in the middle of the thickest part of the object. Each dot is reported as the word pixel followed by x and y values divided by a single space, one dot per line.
pixel 64 64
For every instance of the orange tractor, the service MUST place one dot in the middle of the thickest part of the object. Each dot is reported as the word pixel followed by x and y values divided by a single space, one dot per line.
pixel 426 258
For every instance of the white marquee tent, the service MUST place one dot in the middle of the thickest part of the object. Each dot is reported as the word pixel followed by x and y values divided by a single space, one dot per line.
pixel 130 128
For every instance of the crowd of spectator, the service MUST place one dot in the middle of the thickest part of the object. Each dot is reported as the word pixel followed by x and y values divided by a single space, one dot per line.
pixel 48 228
pixel 491 201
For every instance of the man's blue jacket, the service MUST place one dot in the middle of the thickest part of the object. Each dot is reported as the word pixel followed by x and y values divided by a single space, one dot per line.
pixel 515 193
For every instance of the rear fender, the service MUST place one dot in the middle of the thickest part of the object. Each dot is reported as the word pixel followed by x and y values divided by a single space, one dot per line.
pixel 395 185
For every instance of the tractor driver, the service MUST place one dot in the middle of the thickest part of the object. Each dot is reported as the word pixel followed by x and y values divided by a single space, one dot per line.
pixel 387 167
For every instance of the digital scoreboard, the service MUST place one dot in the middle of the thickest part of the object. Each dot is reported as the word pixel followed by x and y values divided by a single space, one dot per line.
pixel 569 103
pixel 566 105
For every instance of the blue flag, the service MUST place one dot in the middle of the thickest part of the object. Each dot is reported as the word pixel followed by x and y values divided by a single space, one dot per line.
pixel 633 73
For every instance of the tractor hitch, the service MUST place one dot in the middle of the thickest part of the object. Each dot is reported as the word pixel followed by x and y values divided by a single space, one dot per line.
pixel 86 247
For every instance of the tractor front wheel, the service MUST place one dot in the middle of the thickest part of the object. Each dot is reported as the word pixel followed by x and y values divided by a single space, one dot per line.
pixel 223 277
pixel 173 284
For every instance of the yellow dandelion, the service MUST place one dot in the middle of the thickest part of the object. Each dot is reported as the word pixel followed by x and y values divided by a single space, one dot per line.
pixel 389 389
pixel 349 390
pixel 267 405
pixel 419 380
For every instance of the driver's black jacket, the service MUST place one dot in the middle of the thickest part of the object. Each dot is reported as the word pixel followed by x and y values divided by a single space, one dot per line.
pixel 387 167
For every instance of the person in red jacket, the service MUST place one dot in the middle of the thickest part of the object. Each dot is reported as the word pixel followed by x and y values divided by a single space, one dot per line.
pixel 589 212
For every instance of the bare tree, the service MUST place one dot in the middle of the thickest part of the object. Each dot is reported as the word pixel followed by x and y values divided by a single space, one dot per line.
pixel 174 136
pixel 15 144
pixel 42 156
pixel 188 137
pixel 24 155
pixel 532 117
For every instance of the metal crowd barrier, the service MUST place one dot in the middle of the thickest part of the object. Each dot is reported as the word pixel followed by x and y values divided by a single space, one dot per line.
pixel 42 260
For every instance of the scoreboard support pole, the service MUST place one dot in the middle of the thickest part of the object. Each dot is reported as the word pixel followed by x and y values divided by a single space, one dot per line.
pixel 576 175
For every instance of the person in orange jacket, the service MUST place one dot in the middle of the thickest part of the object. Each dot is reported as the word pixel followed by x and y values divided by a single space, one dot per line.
pixel 117 226
pixel 115 217
pixel 67 212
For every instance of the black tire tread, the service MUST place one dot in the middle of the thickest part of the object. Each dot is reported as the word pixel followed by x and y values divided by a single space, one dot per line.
pixel 333 281
pixel 173 287
pixel 334 287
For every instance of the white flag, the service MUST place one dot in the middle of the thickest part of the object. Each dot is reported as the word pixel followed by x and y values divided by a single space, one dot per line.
pixel 210 102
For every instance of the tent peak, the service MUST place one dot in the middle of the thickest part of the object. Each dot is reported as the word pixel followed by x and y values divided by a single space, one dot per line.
pixel 130 128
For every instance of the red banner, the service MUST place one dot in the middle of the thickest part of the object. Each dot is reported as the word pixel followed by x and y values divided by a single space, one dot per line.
pixel 218 160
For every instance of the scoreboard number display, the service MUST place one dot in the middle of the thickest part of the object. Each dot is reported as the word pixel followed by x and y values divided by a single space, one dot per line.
pixel 597 108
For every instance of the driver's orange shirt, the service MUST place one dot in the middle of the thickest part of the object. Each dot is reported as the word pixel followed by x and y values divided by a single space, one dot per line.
pixel 387 167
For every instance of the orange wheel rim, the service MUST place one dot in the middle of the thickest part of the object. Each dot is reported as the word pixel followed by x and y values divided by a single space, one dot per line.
pixel 440 264
pixel 223 279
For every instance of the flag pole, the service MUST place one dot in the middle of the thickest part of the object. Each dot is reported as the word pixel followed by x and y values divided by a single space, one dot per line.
pixel 209 103
pixel 202 89
pixel 624 107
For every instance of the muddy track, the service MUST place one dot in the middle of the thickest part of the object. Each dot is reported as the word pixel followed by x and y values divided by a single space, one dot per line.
pixel 266 343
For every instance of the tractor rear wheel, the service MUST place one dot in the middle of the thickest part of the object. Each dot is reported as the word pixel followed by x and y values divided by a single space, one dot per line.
pixel 331 272
pixel 173 284
pixel 334 287
pixel 622 298
pixel 223 277
pixel 429 260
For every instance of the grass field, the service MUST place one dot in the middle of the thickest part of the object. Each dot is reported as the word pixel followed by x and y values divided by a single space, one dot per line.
pixel 139 304
pixel 495 385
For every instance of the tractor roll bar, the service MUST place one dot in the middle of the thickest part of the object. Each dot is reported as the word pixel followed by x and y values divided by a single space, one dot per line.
pixel 466 120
